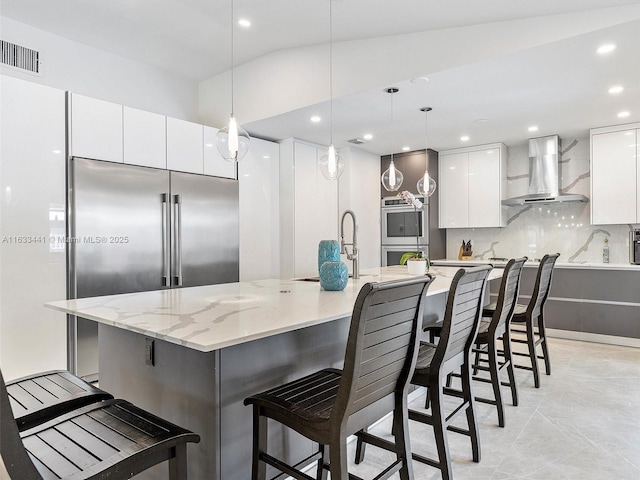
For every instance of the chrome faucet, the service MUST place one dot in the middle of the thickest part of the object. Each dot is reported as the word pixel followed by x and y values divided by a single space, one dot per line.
pixel 343 246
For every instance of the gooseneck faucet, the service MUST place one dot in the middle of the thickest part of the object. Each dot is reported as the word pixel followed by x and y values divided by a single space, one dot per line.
pixel 354 244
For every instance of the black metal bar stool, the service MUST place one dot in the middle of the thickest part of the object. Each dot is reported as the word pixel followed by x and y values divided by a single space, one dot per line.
pixel 453 352
pixel 498 327
pixel 330 405
pixel 109 439
pixel 532 316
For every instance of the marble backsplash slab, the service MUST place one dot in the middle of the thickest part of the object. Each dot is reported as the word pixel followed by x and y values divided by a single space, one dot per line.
pixel 534 230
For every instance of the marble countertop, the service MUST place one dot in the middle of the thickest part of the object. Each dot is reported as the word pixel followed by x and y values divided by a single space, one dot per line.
pixel 586 265
pixel 211 317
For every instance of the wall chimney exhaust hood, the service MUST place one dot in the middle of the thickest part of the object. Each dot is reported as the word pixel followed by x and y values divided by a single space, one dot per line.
pixel 545 170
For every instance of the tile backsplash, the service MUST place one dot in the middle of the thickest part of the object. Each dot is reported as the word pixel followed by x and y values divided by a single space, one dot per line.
pixel 534 230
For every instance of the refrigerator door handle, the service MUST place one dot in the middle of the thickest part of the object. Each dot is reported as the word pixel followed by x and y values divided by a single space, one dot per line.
pixel 166 242
pixel 177 225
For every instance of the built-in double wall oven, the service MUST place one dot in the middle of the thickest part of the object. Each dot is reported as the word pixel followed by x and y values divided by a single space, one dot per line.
pixel 404 229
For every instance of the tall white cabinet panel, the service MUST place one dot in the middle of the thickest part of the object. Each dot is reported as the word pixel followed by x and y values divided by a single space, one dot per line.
pixel 472 184
pixel 453 184
pixel 259 211
pixel 145 138
pixel 615 175
pixel 214 163
pixel 185 146
pixel 32 228
pixel 96 129
pixel 309 208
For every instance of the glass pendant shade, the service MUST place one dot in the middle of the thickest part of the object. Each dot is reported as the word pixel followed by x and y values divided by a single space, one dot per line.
pixel 426 185
pixel 331 164
pixel 233 141
pixel 392 178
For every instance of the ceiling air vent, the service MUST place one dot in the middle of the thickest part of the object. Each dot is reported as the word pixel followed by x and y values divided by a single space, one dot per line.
pixel 21 58
pixel 356 141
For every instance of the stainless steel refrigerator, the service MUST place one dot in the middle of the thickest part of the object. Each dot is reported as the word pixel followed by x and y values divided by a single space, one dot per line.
pixel 133 229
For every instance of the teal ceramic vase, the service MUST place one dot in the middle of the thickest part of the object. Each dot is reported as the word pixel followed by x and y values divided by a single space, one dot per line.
pixel 333 276
pixel 328 251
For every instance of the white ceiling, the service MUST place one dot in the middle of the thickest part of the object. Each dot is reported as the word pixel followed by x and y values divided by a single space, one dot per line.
pixel 561 87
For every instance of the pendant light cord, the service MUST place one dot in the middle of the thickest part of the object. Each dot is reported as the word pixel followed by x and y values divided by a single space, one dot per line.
pixel 232 59
pixel 331 69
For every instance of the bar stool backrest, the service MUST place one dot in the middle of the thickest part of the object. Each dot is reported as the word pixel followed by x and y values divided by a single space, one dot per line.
pixel 461 318
pixel 508 295
pixel 14 455
pixel 381 350
pixel 543 285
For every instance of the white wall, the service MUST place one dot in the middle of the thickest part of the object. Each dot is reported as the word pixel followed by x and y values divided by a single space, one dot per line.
pixel 72 66
pixel 359 190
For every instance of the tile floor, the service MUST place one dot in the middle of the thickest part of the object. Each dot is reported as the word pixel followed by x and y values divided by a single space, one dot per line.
pixel 583 423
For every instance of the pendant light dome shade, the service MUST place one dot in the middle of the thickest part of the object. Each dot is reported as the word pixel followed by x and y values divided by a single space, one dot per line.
pixel 392 178
pixel 232 141
pixel 426 185
pixel 331 164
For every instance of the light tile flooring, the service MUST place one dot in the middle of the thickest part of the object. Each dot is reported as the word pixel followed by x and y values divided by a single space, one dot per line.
pixel 583 423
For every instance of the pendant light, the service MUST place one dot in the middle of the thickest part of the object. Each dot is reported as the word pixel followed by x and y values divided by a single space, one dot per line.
pixel 392 177
pixel 426 185
pixel 331 163
pixel 232 140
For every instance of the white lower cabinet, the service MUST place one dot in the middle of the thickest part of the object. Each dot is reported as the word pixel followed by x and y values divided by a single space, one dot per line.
pixel 258 180
pixel 145 138
pixel 185 146
pixel 615 175
pixel 32 228
pixel 472 184
pixel 308 208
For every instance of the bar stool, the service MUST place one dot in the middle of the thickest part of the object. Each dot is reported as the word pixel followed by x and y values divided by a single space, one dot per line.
pixel 40 397
pixel 532 316
pixel 329 405
pixel 495 328
pixel 453 352
pixel 109 439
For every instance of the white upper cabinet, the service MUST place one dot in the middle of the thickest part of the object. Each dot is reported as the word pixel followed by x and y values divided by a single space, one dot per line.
pixel 214 163
pixel 615 175
pixel 145 138
pixel 96 129
pixel 472 184
pixel 185 146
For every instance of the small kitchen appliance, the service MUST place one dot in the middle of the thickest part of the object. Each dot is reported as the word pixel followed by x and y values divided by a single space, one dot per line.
pixel 634 246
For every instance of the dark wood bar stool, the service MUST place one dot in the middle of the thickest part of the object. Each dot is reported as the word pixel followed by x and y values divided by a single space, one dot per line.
pixel 495 328
pixel 532 316
pixel 109 439
pixel 37 398
pixel 330 405
pixel 452 353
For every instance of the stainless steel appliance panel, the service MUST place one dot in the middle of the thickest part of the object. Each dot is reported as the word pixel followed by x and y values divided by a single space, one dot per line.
pixel 634 246
pixel 205 233
pixel 391 255
pixel 402 224
pixel 118 219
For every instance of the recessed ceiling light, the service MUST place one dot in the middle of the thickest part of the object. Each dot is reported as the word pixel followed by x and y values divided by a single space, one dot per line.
pixel 57 152
pixel 624 114
pixel 480 121
pixel 406 149
pixel 208 144
pixel 367 136
pixel 266 157
pixel 315 119
pixel 616 89
pixel 419 80
pixel 606 48
pixel 464 138
pixel 533 128
pixel 243 22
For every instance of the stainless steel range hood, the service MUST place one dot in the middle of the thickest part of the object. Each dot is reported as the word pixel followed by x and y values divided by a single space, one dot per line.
pixel 544 173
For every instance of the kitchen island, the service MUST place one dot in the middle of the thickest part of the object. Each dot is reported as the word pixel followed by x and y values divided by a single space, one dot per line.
pixel 192 355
